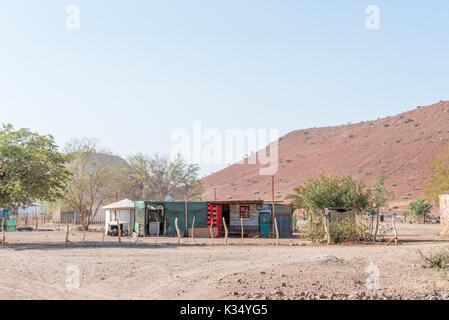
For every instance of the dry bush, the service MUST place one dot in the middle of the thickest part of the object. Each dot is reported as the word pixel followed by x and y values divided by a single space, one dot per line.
pixel 437 259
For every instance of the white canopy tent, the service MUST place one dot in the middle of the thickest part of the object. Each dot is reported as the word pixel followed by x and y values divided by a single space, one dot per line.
pixel 124 210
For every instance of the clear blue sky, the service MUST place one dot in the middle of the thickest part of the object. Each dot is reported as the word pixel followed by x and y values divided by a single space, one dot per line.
pixel 136 70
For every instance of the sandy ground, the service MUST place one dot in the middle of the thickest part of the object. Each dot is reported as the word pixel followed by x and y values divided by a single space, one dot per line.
pixel 37 265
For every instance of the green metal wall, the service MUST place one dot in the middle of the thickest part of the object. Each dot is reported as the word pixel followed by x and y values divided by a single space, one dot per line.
pixel 173 210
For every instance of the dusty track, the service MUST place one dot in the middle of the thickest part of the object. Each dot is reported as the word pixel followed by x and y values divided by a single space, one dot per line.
pixel 33 266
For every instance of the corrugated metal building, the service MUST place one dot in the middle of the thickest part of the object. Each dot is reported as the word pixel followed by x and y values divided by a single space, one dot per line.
pixel 164 214
pixel 152 216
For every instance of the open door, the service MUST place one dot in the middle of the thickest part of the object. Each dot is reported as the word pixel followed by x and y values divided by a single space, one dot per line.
pixel 264 223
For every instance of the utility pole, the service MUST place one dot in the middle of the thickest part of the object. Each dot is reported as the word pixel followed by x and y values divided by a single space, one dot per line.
pixel 272 204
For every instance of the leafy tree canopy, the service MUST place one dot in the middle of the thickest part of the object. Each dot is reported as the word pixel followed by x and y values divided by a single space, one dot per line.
pixel 329 191
pixel 31 167
pixel 95 174
pixel 439 182
pixel 155 177
pixel 420 208
pixel 380 196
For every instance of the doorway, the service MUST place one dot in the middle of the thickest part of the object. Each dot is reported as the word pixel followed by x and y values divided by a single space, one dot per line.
pixel 226 214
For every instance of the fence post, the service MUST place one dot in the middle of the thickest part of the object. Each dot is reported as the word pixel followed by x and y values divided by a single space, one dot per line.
pixel 119 231
pixel 241 227
pixel 226 231
pixel 177 231
pixel 67 232
pixel 211 234
pixel 277 231
pixel 193 230
pixel 3 231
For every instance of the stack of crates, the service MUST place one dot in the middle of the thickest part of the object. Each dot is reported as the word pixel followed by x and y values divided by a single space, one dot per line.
pixel 214 218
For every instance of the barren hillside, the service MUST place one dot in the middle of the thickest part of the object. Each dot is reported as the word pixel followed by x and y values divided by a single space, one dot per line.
pixel 400 146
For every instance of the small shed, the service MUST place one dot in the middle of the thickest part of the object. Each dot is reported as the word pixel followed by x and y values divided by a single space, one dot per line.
pixel 340 214
pixel 256 217
pixel 158 217
pixel 123 210
pixel 444 211
pixel 247 211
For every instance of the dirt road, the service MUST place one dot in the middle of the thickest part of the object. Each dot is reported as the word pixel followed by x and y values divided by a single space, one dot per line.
pixel 37 265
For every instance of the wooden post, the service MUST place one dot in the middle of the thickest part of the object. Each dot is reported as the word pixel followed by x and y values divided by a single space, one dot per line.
pixel 165 226
pixel 226 231
pixel 241 228
pixel 211 234
pixel 193 230
pixel 177 231
pixel 272 203
pixel 67 232
pixel 102 240
pixel 3 231
pixel 395 232
pixel 395 238
pixel 119 231
pixel 157 234
pixel 277 231
pixel 187 226
pixel 326 228
pixel 158 227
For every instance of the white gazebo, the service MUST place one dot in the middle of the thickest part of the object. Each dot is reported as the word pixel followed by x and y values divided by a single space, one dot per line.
pixel 124 211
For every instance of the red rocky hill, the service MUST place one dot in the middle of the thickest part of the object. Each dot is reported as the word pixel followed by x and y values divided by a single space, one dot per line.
pixel 400 146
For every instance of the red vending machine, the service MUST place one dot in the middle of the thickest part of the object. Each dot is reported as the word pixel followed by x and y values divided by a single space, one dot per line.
pixel 214 218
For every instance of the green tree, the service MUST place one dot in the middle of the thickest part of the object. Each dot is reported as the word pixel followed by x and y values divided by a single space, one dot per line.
pixel 172 176
pixel 93 179
pixel 329 191
pixel 137 173
pixel 337 192
pixel 297 199
pixel 31 168
pixel 380 198
pixel 159 176
pixel 420 208
pixel 195 191
pixel 439 181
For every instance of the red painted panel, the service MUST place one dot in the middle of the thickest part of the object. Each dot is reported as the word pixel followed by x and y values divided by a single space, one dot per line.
pixel 214 217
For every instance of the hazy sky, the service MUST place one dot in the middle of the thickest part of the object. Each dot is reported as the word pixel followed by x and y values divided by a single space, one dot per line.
pixel 137 70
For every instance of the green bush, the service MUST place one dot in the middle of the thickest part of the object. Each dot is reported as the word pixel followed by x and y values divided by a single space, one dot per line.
pixel 294 220
pixel 348 230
